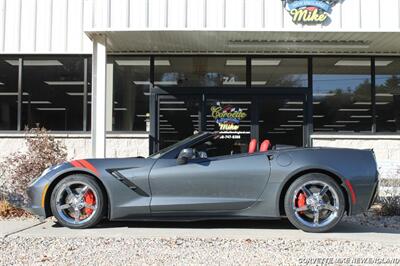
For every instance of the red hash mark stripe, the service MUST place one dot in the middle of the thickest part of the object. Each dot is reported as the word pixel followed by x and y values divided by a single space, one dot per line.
pixel 352 193
pixel 84 164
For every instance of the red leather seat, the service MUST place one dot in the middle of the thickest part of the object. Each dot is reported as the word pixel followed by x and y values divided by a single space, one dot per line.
pixel 252 146
pixel 265 145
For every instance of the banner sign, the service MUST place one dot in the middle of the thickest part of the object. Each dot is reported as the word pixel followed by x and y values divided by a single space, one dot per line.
pixel 309 11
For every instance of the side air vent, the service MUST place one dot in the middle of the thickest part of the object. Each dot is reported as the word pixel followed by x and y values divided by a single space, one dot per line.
pixel 127 182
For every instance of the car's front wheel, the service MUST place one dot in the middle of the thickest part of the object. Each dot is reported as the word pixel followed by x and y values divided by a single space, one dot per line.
pixel 77 201
pixel 314 203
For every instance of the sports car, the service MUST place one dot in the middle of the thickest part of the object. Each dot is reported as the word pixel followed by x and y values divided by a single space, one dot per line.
pixel 210 176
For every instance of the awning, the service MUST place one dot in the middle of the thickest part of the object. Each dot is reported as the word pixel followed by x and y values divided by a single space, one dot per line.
pixel 249 42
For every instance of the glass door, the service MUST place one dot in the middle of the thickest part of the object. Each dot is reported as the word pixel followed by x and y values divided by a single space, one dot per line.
pixel 281 119
pixel 231 116
pixel 178 118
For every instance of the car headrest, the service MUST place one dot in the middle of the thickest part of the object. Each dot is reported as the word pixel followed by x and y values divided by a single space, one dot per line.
pixel 265 145
pixel 252 146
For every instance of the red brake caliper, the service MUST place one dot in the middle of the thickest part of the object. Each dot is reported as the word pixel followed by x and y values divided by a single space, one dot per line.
pixel 301 200
pixel 90 200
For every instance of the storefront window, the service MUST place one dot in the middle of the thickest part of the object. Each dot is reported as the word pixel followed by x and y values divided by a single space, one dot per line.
pixel 279 72
pixel 178 118
pixel 130 90
pixel 281 119
pixel 387 94
pixel 200 71
pixel 342 95
pixel 8 93
pixel 53 92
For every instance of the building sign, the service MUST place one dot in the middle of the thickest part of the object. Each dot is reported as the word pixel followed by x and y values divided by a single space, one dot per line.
pixel 309 11
pixel 227 117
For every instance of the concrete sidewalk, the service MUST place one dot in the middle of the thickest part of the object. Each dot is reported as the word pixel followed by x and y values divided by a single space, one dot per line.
pixel 208 229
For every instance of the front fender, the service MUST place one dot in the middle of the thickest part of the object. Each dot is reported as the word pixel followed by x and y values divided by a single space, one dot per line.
pixel 39 191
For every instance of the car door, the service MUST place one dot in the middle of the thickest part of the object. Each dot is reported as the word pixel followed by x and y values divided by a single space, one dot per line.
pixel 222 183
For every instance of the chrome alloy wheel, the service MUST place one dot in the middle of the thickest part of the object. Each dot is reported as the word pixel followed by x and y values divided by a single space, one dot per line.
pixel 321 205
pixel 72 204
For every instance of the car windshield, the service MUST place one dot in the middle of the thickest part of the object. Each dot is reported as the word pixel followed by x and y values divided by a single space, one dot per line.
pixel 173 146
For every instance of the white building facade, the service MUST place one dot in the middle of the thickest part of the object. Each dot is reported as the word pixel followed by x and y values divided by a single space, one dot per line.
pixel 128 77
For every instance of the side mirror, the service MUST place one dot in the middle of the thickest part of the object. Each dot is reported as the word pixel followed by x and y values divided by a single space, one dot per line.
pixel 185 155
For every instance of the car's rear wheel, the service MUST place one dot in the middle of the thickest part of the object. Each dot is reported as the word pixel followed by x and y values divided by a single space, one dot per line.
pixel 314 203
pixel 77 201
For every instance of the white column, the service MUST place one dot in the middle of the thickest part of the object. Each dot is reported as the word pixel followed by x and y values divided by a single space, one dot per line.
pixel 99 61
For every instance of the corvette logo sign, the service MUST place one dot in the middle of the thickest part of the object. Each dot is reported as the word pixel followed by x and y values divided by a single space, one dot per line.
pixel 227 117
pixel 309 11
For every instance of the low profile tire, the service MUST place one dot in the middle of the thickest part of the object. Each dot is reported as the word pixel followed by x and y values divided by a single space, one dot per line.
pixel 77 201
pixel 314 203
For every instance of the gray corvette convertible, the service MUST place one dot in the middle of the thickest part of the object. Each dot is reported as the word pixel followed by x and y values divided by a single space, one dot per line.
pixel 207 176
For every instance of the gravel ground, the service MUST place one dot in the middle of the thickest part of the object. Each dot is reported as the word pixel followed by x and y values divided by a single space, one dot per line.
pixel 15 250
pixel 371 220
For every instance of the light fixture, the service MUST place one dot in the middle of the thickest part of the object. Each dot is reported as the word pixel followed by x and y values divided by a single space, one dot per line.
pixel 142 116
pixel 77 93
pixel 172 82
pixel 62 83
pixel 334 125
pixel 142 62
pixel 353 110
pixel 316 103
pixel 324 94
pixel 318 116
pixel 258 83
pixel 172 102
pixel 120 109
pixel 384 94
pixel 361 63
pixel 36 102
pixel 12 93
pixel 362 103
pixel 235 62
pixel 348 121
pixel 141 82
pixel 265 62
pixel 168 132
pixel 35 62
pixel 51 109
pixel 1 83
pixel 233 102
pixel 291 109
pixel 294 103
pixel 173 109
pixel 391 121
pixel 295 121
pixel 287 129
pixel 291 125
pixel 324 129
pixel 228 82
pixel 361 116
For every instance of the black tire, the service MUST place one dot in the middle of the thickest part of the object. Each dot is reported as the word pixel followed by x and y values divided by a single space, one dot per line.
pixel 97 215
pixel 295 217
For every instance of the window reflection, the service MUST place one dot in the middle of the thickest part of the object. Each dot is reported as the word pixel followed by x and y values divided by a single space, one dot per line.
pixel 387 94
pixel 200 71
pixel 130 105
pixel 342 95
pixel 53 92
pixel 279 72
pixel 8 93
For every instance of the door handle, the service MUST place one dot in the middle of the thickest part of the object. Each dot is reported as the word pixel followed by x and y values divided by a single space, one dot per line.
pixel 270 157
